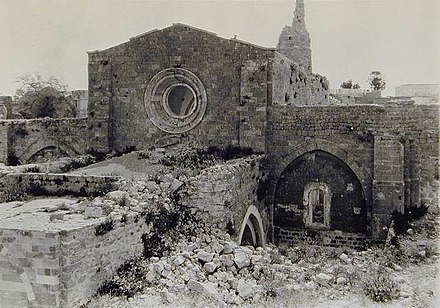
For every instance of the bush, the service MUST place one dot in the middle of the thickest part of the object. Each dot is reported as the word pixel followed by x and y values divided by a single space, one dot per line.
pixel 380 287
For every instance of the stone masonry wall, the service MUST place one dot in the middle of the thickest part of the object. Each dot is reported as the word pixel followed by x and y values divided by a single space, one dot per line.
pixel 350 133
pixel 65 268
pixel 88 259
pixel 27 137
pixel 118 78
pixel 30 268
pixel 15 186
pixel 223 193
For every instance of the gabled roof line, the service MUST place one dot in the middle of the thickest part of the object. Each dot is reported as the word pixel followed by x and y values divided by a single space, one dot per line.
pixel 188 26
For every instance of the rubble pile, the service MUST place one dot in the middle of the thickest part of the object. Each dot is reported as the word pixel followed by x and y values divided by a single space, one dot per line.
pixel 210 266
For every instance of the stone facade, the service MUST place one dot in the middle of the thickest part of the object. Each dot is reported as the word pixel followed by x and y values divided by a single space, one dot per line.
pixel 236 80
pixel 384 146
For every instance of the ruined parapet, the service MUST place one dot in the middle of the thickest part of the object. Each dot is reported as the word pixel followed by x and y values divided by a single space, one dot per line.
pixel 294 40
pixel 226 196
pixel 293 85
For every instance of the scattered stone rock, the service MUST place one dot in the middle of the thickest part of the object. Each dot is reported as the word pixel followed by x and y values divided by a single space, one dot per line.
pixel 341 281
pixel 93 212
pixel 344 258
pixel 246 289
pixel 118 196
pixel 175 185
pixel 226 260
pixel 210 267
pixel 179 260
pixel 241 260
pixel 205 256
pixel 323 279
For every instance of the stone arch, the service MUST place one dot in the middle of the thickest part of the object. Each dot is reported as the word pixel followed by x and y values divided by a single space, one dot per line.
pixel 324 145
pixel 252 225
pixel 338 199
pixel 38 146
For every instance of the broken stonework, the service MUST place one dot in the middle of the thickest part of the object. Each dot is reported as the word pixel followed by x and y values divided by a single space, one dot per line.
pixel 323 279
pixel 205 256
pixel 241 259
pixel 246 290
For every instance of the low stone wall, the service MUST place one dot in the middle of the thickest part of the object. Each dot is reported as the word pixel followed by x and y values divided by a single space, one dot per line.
pixel 16 186
pixel 223 193
pixel 64 268
pixel 88 258
pixel 321 237
pixel 30 268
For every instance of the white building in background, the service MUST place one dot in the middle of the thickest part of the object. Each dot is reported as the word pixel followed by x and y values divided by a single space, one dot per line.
pixel 355 96
pixel 420 93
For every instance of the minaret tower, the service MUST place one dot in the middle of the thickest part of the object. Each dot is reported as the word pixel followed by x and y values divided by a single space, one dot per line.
pixel 294 41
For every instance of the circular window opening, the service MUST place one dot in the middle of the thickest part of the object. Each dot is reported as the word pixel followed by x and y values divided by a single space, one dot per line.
pixel 180 100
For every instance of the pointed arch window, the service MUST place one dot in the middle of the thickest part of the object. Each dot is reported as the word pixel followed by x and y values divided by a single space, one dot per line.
pixel 317 200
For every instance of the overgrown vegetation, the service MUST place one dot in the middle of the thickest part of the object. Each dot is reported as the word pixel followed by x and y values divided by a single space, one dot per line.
pixel 199 158
pixel 78 162
pixel 32 169
pixel 104 228
pixel 129 279
pixel 380 287
pixel 20 189
pixel 41 97
pixel 166 223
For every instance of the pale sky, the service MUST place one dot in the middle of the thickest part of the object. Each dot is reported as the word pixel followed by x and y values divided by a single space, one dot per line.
pixel 350 38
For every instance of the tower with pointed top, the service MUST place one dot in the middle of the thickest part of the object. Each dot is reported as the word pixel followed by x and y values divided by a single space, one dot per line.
pixel 294 40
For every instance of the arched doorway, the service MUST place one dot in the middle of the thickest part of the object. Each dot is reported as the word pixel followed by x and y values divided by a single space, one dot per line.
pixel 317 190
pixel 251 231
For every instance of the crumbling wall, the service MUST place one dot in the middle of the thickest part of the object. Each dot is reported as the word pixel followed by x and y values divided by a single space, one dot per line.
pixel 294 40
pixel 27 137
pixel 294 85
pixel 16 186
pixel 222 194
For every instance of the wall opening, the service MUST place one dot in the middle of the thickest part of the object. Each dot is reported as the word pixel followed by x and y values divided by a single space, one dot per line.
pixel 317 190
pixel 47 154
pixel 251 231
pixel 317 201
pixel 180 100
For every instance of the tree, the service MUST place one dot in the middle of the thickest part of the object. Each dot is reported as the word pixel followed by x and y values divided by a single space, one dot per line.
pixel 349 85
pixel 40 97
pixel 376 80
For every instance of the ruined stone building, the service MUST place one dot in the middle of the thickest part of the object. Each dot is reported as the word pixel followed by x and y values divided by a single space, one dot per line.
pixel 331 170
pixel 334 174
